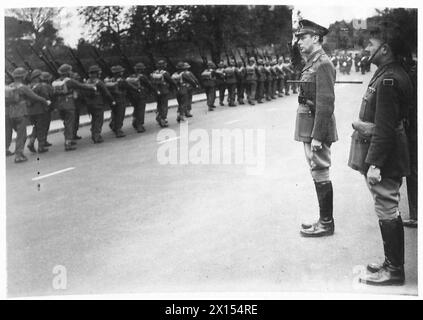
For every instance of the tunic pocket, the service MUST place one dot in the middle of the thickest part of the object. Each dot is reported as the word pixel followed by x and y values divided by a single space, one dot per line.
pixel 358 152
pixel 305 123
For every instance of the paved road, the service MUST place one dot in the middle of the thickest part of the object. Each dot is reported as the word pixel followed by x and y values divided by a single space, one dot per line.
pixel 120 221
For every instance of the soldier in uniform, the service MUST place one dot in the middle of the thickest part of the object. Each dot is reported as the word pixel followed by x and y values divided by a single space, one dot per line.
pixel 221 81
pixel 268 82
pixel 139 99
pixel 315 123
pixel 261 78
pixel 208 80
pixel 64 92
pixel 379 148
pixel 38 112
pixel 163 83
pixel 289 74
pixel 251 80
pixel 79 105
pixel 275 75
pixel 280 77
pixel 240 78
pixel 96 102
pixel 17 97
pixel 231 82
pixel 192 85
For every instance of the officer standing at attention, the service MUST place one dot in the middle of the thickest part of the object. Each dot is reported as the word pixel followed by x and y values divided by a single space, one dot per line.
pixel 315 123
pixel 221 81
pixel 383 154
pixel 251 80
pixel 208 80
pixel 139 99
pixel 96 102
pixel 163 83
pixel 17 97
pixel 64 91
pixel 38 112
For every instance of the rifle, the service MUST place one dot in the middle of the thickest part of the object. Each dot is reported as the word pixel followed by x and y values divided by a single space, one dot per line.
pixel 242 58
pixel 24 61
pixel 14 65
pixel 125 60
pixel 79 63
pixel 9 76
pixel 52 60
pixel 227 57
pixel 103 64
pixel 52 69
pixel 170 63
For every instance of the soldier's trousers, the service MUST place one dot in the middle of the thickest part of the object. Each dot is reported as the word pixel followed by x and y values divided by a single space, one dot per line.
pixel 386 196
pixel 97 120
pixel 68 117
pixel 211 95
pixel 222 89
pixel 274 87
pixel 183 102
pixel 19 125
pixel 268 89
pixel 318 161
pixel 118 115
pixel 251 87
pixel 189 101
pixel 260 91
pixel 41 124
pixel 162 106
pixel 286 85
pixel 240 89
pixel 78 107
pixel 231 92
pixel 138 115
pixel 280 85
pixel 412 181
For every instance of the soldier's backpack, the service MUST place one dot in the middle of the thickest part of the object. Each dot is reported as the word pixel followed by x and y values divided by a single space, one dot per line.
pixel 60 87
pixel 92 94
pixel 16 105
pixel 158 77
pixel 112 85
pixel 206 75
pixel 180 82
pixel 12 95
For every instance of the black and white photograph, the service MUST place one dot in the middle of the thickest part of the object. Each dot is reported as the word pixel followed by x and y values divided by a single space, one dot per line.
pixel 210 150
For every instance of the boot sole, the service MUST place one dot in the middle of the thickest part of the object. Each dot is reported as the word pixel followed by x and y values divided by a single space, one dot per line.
pixel 316 235
pixel 382 284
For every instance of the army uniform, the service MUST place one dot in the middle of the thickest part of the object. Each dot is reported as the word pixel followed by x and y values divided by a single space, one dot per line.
pixel 192 85
pixel 80 104
pixel 231 83
pixel 221 81
pixel 208 80
pixel 163 83
pixel 280 77
pixel 38 112
pixel 183 81
pixel 289 75
pixel 251 80
pixel 261 78
pixel 96 102
pixel 269 82
pixel 240 78
pixel 316 122
pixel 139 99
pixel 64 93
pixel 17 97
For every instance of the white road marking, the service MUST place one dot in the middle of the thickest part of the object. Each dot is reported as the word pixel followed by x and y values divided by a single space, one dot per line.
pixel 52 174
pixel 167 140
pixel 232 122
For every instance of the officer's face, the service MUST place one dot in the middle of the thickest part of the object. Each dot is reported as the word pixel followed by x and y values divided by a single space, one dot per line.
pixel 374 49
pixel 306 43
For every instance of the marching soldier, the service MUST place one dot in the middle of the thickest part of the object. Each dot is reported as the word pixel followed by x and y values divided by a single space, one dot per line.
pixel 315 123
pixel 79 105
pixel 96 102
pixel 38 112
pixel 193 84
pixel 268 82
pixel 139 99
pixel 208 80
pixel 183 81
pixel 120 89
pixel 231 83
pixel 289 74
pixel 221 81
pixel 240 78
pixel 274 75
pixel 251 80
pixel 379 148
pixel 17 97
pixel 261 78
pixel 64 92
pixel 280 77
pixel 163 83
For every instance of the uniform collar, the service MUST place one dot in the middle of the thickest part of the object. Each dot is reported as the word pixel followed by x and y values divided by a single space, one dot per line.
pixel 313 55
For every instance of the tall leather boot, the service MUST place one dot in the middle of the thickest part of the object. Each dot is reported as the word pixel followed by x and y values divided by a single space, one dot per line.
pixel 391 271
pixel 325 226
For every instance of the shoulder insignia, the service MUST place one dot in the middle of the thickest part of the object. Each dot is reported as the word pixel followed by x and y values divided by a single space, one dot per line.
pixel 388 82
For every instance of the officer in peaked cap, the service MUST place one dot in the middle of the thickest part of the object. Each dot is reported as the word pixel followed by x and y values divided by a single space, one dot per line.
pixel 315 121
pixel 383 155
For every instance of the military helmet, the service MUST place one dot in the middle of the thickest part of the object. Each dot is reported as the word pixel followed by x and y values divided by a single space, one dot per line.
pixel 260 61
pixel 140 66
pixel 93 69
pixel 19 73
pixel 211 64
pixel 221 65
pixel 45 76
pixel 161 63
pixel 117 69
pixel 64 69
pixel 180 65
pixel 35 74
pixel 252 59
pixel 280 59
pixel 187 65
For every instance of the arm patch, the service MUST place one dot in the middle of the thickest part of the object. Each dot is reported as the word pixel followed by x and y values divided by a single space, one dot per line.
pixel 388 82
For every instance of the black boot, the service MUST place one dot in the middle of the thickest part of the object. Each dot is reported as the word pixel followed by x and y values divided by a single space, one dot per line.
pixel 325 226
pixel 391 271
pixel 31 146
